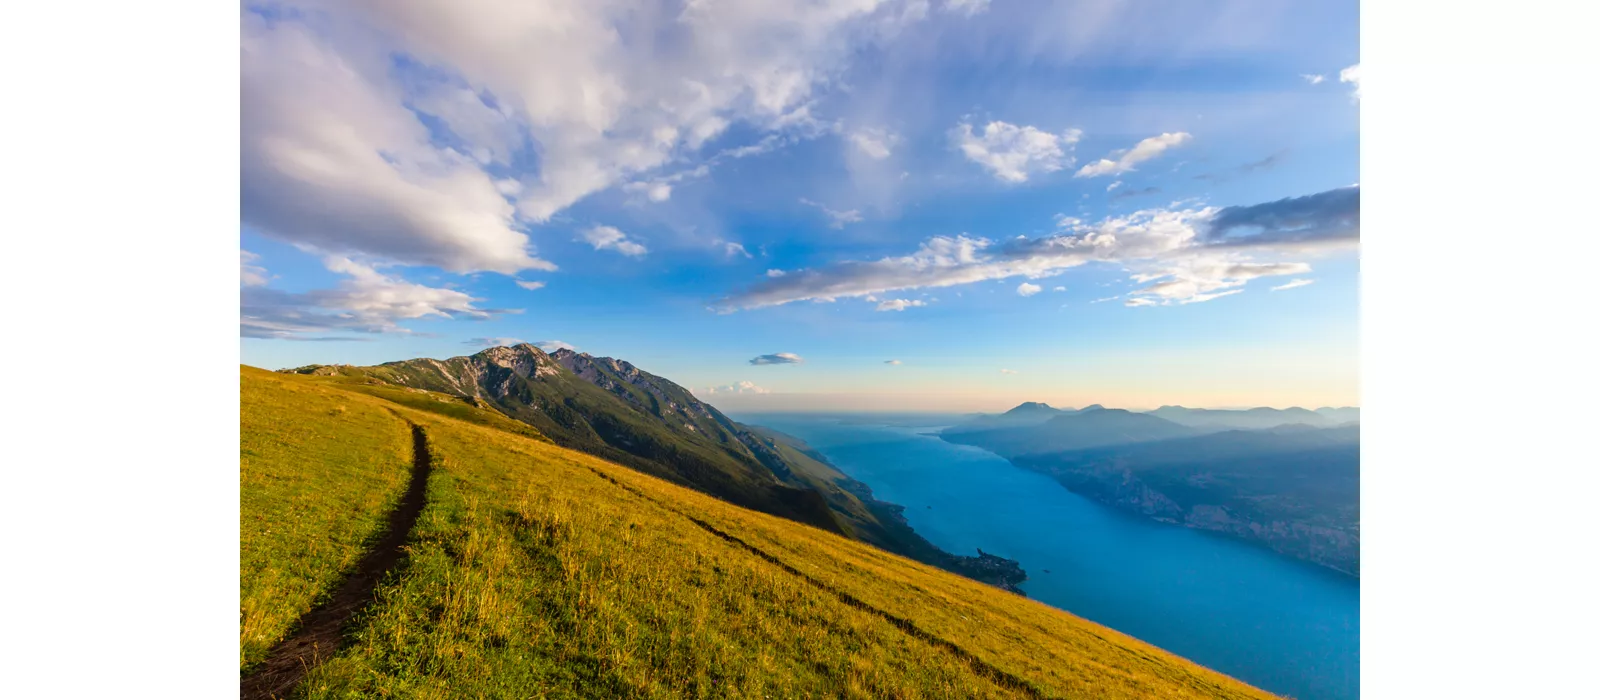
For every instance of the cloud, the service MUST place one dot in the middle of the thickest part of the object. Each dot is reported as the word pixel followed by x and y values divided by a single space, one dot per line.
pixel 1142 192
pixel 492 342
pixel 1028 290
pixel 1140 302
pixel 430 133
pixel 1014 153
pixel 1291 284
pixel 1313 79
pixel 251 275
pixel 874 143
pixel 1103 299
pixel 782 358
pixel 1156 239
pixel 837 219
pixel 1266 163
pixel 966 8
pixel 1331 218
pixel 1113 185
pixel 530 286
pixel 900 304
pixel 1352 75
pixel 368 302
pixel 554 345
pixel 331 158
pixel 744 387
pixel 891 362
pixel 731 249
pixel 776 273
pixel 1141 152
pixel 609 238
pixel 1008 371
pixel 1203 278
pixel 1059 289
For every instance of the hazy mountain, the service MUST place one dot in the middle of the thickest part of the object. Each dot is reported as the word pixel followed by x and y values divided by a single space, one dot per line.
pixel 1347 414
pixel 1293 488
pixel 1254 418
pixel 1091 427
pixel 1026 414
pixel 612 409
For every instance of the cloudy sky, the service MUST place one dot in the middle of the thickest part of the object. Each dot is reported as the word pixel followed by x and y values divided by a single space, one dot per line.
pixel 952 204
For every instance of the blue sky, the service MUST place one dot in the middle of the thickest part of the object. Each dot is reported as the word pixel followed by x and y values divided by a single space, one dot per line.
pixel 1129 203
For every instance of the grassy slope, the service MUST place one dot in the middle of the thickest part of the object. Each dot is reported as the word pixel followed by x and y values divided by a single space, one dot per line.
pixel 537 571
pixel 317 472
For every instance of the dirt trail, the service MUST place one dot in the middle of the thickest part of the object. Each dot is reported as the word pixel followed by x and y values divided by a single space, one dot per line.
pixel 318 632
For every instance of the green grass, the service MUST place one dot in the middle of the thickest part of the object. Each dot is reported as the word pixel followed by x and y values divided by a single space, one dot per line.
pixel 536 571
pixel 317 472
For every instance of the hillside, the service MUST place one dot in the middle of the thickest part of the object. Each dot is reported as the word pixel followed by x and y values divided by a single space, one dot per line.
pixel 611 409
pixel 531 570
pixel 1295 489
pixel 1077 430
pixel 1256 418
pixel 1027 414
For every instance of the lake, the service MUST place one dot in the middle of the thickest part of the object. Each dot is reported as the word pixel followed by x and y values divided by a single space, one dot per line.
pixel 1280 624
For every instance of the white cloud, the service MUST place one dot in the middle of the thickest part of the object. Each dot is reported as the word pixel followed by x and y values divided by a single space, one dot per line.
pixel 891 362
pixel 493 342
pixel 609 238
pixel 1113 185
pixel 967 8
pixel 1352 75
pixel 744 387
pixel 1008 371
pixel 836 218
pixel 874 143
pixel 332 159
pixel 1140 302
pixel 900 304
pixel 1059 289
pixel 732 249
pixel 251 275
pixel 776 273
pixel 781 358
pixel 1104 299
pixel 554 345
pixel 530 286
pixel 1028 290
pixel 1202 244
pixel 594 94
pixel 1291 284
pixel 1015 153
pixel 1205 277
pixel 1141 152
pixel 1313 79
pixel 367 301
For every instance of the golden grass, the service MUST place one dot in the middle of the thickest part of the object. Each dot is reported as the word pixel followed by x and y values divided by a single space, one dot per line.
pixel 536 571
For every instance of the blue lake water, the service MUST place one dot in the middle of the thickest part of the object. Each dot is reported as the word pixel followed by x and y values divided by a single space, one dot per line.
pixel 1277 623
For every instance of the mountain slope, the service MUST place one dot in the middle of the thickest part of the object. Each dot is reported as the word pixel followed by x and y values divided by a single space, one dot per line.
pixel 611 409
pixel 1072 431
pixel 1255 418
pixel 1026 414
pixel 538 571
pixel 1295 489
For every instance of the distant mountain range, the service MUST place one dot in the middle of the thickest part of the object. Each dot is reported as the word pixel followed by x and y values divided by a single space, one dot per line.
pixel 611 409
pixel 1288 479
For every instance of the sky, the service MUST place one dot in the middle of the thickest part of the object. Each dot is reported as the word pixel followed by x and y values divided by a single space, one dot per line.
pixel 824 205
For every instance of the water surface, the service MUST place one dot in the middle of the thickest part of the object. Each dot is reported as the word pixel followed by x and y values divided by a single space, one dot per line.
pixel 1277 623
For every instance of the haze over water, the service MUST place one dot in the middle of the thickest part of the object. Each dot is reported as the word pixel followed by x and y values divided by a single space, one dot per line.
pixel 1283 625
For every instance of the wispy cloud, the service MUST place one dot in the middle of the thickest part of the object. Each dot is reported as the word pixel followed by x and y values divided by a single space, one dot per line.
pixel 781 358
pixel 899 304
pixel 1008 371
pixel 1195 242
pixel 493 342
pixel 744 387
pixel 1123 161
pixel 610 238
pixel 554 345
pixel 367 301
pixel 1313 79
pixel 1291 284
pixel 874 143
pixel 891 362
pixel 530 286
pixel 836 218
pixel 1015 153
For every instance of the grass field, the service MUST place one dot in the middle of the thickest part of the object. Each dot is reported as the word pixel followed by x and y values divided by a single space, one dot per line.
pixel 536 571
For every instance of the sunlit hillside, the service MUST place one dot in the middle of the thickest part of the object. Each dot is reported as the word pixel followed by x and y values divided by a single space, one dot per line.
pixel 537 571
